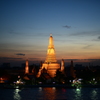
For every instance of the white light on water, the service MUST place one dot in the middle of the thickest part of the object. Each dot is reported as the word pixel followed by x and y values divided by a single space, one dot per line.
pixel 77 89
pixel 16 94
pixel 40 88
pixel 17 90
pixel 94 94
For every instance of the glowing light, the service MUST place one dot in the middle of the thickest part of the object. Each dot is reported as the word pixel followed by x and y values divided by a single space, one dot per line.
pixel 16 94
pixel 19 82
pixel 78 93
pixel 77 81
pixel 53 88
pixel 40 88
pixel 40 82
pixel 26 67
pixel 17 88
pixel 18 76
pixel 50 63
pixel 69 80
pixel 93 79
pixel 53 82
pixel 1 80
pixel 77 89
pixel 63 82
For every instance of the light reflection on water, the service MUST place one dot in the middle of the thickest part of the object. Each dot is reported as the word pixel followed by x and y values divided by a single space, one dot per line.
pixel 40 88
pixel 50 93
pixel 94 94
pixel 16 94
pixel 78 94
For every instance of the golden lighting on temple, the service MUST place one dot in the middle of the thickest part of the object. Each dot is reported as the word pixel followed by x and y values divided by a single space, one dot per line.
pixel 51 64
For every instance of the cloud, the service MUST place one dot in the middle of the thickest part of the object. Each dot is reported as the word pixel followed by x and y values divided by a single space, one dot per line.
pixel 86 33
pixel 66 26
pixel 9 58
pixel 33 58
pixel 99 37
pixel 86 47
pixel 20 54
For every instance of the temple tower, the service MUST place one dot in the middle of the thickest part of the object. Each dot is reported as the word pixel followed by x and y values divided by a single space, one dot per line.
pixel 62 65
pixel 51 58
pixel 50 63
pixel 26 67
pixel 72 70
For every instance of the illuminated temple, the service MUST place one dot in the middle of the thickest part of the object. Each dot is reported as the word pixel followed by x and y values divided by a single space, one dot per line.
pixel 26 67
pixel 51 65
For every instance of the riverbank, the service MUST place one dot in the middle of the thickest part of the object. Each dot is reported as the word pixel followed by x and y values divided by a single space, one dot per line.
pixel 10 86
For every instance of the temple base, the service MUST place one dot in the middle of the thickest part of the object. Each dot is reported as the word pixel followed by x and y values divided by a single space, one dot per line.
pixel 51 68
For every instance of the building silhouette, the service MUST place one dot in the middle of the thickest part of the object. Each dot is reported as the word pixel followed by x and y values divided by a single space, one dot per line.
pixel 72 72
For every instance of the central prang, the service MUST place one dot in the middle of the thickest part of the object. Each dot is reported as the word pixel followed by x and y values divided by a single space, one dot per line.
pixel 50 63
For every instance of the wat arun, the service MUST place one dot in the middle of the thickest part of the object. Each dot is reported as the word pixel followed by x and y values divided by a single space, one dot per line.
pixel 51 64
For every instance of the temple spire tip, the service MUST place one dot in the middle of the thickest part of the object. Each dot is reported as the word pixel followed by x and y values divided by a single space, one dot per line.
pixel 50 34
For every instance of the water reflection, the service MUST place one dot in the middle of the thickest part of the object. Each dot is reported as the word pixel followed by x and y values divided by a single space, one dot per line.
pixel 40 88
pixel 53 88
pixel 94 94
pixel 63 90
pixel 16 94
pixel 78 94
pixel 49 93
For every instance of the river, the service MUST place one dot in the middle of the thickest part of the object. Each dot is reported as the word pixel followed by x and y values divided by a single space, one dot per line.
pixel 50 93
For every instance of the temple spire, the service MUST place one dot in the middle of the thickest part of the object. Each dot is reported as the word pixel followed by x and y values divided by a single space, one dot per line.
pixel 27 67
pixel 51 34
pixel 50 51
pixel 50 64
pixel 51 42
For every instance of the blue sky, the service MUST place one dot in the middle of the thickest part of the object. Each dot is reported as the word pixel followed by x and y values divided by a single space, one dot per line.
pixel 25 27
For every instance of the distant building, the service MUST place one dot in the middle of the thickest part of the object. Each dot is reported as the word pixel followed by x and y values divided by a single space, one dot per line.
pixel 62 66
pixel 27 67
pixel 72 72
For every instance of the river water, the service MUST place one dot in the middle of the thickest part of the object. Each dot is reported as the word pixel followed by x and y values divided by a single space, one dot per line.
pixel 50 93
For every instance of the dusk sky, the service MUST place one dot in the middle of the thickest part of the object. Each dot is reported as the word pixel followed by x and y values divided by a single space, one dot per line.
pixel 25 27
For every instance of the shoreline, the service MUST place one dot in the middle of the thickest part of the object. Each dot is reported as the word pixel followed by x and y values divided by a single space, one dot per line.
pixel 8 86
